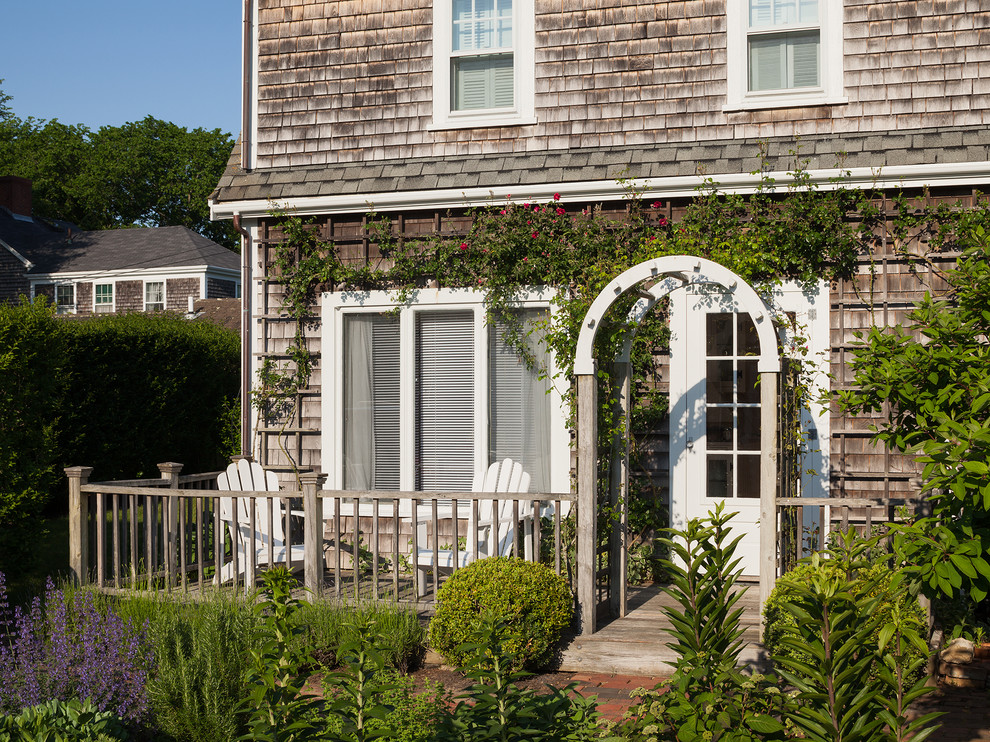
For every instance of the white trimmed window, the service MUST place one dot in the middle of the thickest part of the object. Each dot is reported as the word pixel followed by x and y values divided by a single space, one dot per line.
pixel 65 298
pixel 483 63
pixel 103 298
pixel 783 53
pixel 154 296
pixel 425 397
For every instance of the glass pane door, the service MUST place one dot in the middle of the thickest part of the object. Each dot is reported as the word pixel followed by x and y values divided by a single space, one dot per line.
pixel 732 407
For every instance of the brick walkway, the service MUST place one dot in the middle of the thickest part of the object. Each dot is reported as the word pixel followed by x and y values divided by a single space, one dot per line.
pixel 966 710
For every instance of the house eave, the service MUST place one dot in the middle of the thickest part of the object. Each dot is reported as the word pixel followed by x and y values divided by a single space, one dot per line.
pixel 903 176
pixel 136 273
pixel 28 265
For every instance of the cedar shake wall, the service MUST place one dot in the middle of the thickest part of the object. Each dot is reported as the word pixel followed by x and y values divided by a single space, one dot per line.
pixel 351 80
pixel 178 291
pixel 13 284
pixel 129 296
pixel 218 289
pixel 84 298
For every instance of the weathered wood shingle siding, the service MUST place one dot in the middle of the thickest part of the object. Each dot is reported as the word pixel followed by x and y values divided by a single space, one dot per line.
pixel 352 81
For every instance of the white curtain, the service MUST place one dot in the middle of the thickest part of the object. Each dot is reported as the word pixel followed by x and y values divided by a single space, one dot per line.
pixel 519 402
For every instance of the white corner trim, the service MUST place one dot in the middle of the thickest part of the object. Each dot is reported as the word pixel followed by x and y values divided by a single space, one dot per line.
pixel 898 176
pixel 27 263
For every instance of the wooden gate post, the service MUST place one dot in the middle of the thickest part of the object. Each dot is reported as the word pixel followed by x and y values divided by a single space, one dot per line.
pixel 587 486
pixel 768 486
pixel 313 534
pixel 78 523
pixel 171 539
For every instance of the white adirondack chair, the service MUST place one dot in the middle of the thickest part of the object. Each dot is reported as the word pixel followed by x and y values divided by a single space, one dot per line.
pixel 249 476
pixel 505 476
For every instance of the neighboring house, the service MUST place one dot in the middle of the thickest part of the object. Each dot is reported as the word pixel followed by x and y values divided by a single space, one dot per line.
pixel 145 269
pixel 422 108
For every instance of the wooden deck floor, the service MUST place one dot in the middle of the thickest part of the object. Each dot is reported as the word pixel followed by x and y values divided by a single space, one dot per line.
pixel 637 643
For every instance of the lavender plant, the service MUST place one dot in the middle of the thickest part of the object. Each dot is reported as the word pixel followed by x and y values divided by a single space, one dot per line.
pixel 66 647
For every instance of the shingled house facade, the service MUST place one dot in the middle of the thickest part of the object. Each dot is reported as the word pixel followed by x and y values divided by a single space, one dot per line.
pixel 422 109
pixel 149 269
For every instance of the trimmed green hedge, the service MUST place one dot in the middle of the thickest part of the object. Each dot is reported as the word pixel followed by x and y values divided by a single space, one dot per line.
pixel 120 393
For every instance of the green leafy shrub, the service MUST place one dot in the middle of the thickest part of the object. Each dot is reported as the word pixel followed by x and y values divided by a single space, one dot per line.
pixel 855 672
pixel 329 625
pixel 875 577
pixel 181 376
pixel 496 708
pixel 532 601
pixel 201 655
pixel 708 698
pixel 31 394
pixel 65 721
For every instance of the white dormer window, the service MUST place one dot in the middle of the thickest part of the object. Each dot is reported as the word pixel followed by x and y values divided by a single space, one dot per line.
pixel 483 69
pixel 783 53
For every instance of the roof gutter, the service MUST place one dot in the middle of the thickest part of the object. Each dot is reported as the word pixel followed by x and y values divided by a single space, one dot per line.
pixel 247 246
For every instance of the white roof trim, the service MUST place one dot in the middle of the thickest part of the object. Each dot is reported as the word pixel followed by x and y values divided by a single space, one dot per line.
pixel 903 176
pixel 27 263
pixel 136 273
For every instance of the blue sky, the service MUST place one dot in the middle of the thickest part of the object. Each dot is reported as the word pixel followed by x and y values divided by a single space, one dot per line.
pixel 107 62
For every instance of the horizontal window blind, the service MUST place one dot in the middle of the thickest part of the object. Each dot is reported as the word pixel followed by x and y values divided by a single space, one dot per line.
pixel 445 403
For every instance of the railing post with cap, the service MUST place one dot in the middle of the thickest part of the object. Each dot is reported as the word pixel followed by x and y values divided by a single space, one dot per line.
pixel 313 533
pixel 78 523
pixel 171 539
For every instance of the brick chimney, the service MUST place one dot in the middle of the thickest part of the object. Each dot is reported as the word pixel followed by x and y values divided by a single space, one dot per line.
pixel 15 194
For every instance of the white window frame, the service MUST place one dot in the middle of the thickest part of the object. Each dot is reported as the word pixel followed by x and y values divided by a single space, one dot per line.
pixel 523 110
pixel 65 308
pixel 829 92
pixel 113 297
pixel 164 301
pixel 336 306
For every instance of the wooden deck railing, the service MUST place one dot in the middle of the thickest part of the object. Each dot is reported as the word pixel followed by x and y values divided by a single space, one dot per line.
pixel 167 534
pixel 835 514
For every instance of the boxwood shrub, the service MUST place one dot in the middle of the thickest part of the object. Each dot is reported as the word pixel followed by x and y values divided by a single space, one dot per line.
pixel 533 603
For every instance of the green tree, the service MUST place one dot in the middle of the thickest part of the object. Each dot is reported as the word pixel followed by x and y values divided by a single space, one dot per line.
pixel 143 173
pixel 934 380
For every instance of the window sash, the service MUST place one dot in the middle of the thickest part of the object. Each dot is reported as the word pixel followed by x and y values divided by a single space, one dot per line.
pixel 65 298
pixel 784 61
pixel 482 82
pixel 103 297
pixel 154 295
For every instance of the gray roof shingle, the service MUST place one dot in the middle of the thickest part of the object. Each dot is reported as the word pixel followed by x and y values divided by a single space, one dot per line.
pixel 712 157
pixel 62 248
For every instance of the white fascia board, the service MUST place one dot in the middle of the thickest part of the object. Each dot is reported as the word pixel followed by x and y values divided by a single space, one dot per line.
pixel 897 176
pixel 124 274
pixel 27 263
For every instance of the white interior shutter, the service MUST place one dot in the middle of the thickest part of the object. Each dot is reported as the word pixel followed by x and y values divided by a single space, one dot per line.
pixel 766 63
pixel 445 401
pixel 804 60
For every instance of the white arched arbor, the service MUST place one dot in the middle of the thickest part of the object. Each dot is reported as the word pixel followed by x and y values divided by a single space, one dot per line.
pixel 665 275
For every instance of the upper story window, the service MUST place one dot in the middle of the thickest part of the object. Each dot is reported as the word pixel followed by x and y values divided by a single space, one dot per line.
pixel 154 296
pixel 483 68
pixel 103 298
pixel 65 298
pixel 783 53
